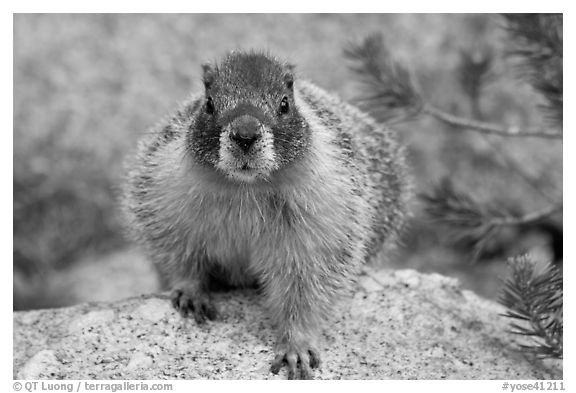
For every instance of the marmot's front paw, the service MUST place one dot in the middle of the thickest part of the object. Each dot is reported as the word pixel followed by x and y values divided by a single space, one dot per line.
pixel 300 361
pixel 192 302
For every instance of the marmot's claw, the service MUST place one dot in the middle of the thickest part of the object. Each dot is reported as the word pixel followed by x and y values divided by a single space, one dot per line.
pixel 314 358
pixel 197 304
pixel 277 364
pixel 300 364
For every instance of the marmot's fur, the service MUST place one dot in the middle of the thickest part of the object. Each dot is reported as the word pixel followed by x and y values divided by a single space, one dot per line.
pixel 270 180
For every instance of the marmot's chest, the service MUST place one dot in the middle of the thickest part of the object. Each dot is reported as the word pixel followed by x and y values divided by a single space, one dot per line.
pixel 232 229
pixel 246 217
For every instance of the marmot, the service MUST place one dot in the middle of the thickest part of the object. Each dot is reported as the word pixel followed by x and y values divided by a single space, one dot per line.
pixel 268 179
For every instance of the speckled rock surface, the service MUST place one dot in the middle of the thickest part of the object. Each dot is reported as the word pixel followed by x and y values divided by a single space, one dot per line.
pixel 399 324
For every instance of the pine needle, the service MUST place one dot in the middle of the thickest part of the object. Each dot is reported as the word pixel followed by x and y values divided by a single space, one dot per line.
pixel 390 90
pixel 533 295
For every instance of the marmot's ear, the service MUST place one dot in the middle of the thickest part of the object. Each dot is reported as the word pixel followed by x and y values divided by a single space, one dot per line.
pixel 208 75
pixel 289 76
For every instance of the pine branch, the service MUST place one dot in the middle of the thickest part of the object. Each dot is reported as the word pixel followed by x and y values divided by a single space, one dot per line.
pixel 391 91
pixel 538 41
pixel 454 208
pixel 529 217
pixel 392 94
pixel 467 221
pixel 485 127
pixel 474 72
pixel 517 169
pixel 472 223
pixel 534 298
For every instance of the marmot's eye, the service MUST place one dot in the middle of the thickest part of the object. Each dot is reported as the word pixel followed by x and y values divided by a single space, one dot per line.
pixel 284 107
pixel 210 106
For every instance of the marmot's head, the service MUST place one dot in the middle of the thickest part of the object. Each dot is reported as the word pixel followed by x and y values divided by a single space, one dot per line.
pixel 249 126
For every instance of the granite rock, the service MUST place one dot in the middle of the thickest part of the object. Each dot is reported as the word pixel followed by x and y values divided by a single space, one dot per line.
pixel 396 325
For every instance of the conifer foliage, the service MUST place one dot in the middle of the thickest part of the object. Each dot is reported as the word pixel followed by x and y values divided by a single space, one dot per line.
pixel 538 43
pixel 533 296
pixel 533 293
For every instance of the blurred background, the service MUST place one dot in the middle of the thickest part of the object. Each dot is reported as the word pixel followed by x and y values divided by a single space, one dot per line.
pixel 86 87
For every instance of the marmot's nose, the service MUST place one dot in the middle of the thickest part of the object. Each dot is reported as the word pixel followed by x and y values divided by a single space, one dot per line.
pixel 245 131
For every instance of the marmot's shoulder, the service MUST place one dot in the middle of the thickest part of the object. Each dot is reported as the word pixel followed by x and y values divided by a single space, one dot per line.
pixel 356 131
pixel 329 105
pixel 373 154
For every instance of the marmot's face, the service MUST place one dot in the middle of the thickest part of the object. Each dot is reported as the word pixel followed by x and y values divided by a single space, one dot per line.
pixel 249 126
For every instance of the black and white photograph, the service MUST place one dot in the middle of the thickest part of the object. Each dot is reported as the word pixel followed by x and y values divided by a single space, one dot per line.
pixel 222 196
